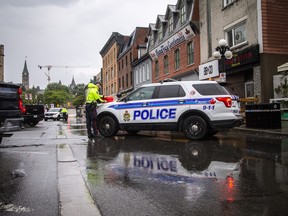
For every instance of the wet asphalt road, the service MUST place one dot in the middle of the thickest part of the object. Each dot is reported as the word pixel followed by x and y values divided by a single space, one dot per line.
pixel 234 173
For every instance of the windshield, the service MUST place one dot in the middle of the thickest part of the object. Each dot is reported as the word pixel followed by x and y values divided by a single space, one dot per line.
pixel 54 110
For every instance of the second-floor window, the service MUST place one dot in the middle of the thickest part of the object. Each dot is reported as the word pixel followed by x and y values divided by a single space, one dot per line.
pixel 156 69
pixel 177 59
pixel 183 14
pixel 237 34
pixel 166 66
pixel 190 53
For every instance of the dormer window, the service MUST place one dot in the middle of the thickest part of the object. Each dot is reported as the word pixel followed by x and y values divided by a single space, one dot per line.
pixel 170 24
pixel 160 33
pixel 183 14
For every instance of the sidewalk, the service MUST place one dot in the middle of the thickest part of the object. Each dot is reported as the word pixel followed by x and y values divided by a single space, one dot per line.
pixel 74 195
pixel 283 131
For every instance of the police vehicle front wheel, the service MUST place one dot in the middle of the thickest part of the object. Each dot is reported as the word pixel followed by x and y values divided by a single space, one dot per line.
pixel 107 126
pixel 194 127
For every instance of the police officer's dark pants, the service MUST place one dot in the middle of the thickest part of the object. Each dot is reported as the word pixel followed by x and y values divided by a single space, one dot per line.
pixel 91 114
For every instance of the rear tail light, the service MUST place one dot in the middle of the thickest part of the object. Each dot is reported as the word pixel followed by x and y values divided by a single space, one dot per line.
pixel 226 100
pixel 20 102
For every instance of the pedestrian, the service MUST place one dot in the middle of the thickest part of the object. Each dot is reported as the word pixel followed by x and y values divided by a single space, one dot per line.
pixel 64 113
pixel 92 98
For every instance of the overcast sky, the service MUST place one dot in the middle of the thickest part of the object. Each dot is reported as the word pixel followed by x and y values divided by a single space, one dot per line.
pixel 66 33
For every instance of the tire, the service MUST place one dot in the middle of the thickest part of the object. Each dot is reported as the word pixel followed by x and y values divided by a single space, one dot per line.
pixel 211 133
pixel 132 132
pixel 45 119
pixel 107 126
pixel 32 124
pixel 194 127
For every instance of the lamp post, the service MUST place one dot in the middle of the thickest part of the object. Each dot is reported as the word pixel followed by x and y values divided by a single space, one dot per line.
pixel 222 52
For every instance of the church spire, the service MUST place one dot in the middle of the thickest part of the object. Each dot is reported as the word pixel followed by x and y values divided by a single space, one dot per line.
pixel 25 76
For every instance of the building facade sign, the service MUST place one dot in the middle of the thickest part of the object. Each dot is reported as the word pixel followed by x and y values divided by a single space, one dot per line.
pixel 208 70
pixel 183 35
pixel 243 57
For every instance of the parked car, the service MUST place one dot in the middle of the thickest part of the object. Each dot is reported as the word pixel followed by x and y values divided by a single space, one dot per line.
pixel 33 114
pixel 53 113
pixel 11 109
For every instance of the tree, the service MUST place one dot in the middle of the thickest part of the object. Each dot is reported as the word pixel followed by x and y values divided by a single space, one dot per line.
pixel 56 93
pixel 79 95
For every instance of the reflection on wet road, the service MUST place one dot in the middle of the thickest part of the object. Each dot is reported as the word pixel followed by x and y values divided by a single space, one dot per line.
pixel 139 175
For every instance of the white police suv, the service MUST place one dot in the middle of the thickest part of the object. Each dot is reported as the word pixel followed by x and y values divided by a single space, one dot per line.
pixel 197 108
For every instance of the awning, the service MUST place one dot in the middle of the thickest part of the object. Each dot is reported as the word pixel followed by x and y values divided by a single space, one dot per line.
pixel 283 68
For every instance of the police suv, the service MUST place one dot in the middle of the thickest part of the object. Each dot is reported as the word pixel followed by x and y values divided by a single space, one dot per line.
pixel 197 108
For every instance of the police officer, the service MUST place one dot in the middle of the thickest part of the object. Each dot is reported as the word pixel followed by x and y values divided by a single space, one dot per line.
pixel 92 98
pixel 64 113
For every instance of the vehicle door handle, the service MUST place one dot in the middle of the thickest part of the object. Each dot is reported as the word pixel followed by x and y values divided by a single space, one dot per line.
pixel 145 104
pixel 181 101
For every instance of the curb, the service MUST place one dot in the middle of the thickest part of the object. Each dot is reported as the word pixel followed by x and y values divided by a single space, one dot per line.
pixel 74 195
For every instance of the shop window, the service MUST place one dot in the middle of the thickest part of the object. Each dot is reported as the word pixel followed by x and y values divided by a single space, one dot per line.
pixel 166 65
pixel 249 89
pixel 177 59
pixel 237 35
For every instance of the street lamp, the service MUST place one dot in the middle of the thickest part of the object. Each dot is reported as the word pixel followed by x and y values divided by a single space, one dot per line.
pixel 222 52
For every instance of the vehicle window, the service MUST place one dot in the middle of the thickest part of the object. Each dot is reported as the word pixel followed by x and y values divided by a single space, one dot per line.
pixel 144 93
pixel 54 110
pixel 170 91
pixel 210 89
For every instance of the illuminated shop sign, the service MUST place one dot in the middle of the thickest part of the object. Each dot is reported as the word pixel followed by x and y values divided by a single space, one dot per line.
pixel 243 57
pixel 183 35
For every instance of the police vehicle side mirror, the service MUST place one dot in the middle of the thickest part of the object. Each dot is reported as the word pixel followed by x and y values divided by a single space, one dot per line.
pixel 118 95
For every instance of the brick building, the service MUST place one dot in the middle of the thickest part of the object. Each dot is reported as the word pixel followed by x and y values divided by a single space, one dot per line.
pixel 1 62
pixel 256 32
pixel 109 71
pixel 128 54
pixel 174 42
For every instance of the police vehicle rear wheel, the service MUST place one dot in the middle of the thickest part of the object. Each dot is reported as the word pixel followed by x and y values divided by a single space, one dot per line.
pixel 194 127
pixel 107 126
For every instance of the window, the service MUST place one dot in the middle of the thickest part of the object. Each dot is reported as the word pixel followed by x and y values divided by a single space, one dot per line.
pixel 171 91
pixel 166 66
pixel 143 73
pixel 127 80
pixel 122 82
pixel 142 94
pixel 170 24
pixel 227 2
pixel 249 89
pixel 183 14
pixel 210 89
pixel 237 34
pixel 156 69
pixel 151 40
pixel 148 71
pixel 177 59
pixel 160 33
pixel 190 53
